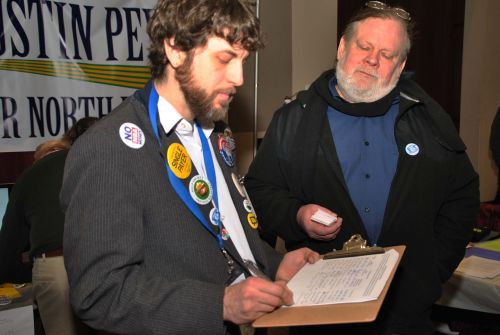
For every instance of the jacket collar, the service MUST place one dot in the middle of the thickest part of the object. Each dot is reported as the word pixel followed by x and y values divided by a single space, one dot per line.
pixel 409 91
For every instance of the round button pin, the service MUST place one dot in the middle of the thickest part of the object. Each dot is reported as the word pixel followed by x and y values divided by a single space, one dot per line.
pixel 225 234
pixel 227 147
pixel 248 206
pixel 252 220
pixel 200 190
pixel 412 149
pixel 179 161
pixel 215 216
pixel 132 135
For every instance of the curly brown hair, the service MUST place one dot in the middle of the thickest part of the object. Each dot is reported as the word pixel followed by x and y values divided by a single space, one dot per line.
pixel 191 22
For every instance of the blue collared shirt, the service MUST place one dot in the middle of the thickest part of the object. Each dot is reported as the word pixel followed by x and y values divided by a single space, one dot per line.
pixel 368 155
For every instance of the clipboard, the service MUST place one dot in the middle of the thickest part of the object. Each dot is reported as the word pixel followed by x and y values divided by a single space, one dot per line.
pixel 355 246
pixel 330 314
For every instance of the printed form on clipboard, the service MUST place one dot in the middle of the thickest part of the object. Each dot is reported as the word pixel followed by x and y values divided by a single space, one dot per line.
pixel 344 279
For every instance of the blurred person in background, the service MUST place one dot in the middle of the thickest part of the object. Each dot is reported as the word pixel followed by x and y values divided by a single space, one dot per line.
pixel 34 213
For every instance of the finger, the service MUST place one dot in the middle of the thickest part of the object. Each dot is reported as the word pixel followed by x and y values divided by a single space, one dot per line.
pixel 267 302
pixel 330 236
pixel 326 232
pixel 326 237
pixel 338 229
pixel 333 229
pixel 337 225
pixel 255 300
pixel 287 298
pixel 267 306
pixel 274 289
pixel 265 291
pixel 313 257
pixel 287 294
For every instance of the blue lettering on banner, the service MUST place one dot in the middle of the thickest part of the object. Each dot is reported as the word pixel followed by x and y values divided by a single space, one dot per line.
pixel 114 27
pixel 54 115
pixel 18 28
pixel 9 111
pixel 73 25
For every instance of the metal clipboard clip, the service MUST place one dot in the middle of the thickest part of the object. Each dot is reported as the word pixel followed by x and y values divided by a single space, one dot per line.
pixel 356 246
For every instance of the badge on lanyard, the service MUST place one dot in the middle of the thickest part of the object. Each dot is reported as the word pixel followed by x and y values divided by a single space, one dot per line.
pixel 225 234
pixel 227 147
pixel 179 161
pixel 252 220
pixel 215 217
pixel 200 190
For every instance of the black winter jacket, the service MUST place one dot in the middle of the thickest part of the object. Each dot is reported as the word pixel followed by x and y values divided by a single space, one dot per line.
pixel 432 205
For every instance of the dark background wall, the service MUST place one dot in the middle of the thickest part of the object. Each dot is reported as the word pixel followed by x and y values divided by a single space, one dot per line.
pixel 12 164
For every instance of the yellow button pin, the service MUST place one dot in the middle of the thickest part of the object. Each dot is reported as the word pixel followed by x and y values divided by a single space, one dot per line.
pixel 252 220
pixel 179 161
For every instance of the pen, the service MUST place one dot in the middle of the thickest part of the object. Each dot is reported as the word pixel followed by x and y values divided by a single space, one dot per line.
pixel 254 270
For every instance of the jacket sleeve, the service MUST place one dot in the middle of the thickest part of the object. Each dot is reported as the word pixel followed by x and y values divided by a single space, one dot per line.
pixel 453 228
pixel 495 138
pixel 269 180
pixel 460 206
pixel 104 252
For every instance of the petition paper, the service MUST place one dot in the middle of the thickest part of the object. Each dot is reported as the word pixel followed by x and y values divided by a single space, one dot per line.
pixel 342 280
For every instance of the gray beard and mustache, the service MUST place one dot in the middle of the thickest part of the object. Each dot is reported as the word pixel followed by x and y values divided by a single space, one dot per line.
pixel 354 94
pixel 201 103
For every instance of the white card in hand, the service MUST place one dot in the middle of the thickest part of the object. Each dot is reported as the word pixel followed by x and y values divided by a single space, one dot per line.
pixel 324 218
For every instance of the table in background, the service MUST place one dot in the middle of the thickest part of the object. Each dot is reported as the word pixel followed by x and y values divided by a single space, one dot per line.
pixel 17 317
pixel 469 304
pixel 471 293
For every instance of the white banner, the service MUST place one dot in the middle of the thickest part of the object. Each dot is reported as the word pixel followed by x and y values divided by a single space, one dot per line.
pixel 61 61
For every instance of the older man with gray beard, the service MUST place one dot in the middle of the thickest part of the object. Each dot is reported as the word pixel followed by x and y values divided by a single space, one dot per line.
pixel 371 148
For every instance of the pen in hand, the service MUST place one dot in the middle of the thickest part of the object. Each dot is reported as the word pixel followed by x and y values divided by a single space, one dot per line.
pixel 254 270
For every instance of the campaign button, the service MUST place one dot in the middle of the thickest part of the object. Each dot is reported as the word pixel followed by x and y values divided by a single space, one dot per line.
pixel 248 206
pixel 215 216
pixel 227 147
pixel 200 190
pixel 179 161
pixel 252 220
pixel 225 234
pixel 412 149
pixel 132 135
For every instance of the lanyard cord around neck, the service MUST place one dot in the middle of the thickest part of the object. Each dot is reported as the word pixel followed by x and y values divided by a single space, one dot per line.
pixel 179 188
pixel 209 163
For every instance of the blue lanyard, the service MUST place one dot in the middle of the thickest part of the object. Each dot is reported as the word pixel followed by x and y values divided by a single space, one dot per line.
pixel 209 163
pixel 179 188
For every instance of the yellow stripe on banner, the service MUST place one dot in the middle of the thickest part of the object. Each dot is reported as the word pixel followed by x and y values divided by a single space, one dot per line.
pixel 110 75
pixel 117 75
pixel 110 70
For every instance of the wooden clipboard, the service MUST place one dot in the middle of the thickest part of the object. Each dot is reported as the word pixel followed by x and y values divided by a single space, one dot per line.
pixel 329 314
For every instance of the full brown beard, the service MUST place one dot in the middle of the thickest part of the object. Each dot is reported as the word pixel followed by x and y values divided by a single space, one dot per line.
pixel 200 103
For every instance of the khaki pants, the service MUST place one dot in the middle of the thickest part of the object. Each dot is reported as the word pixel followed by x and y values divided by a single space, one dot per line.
pixel 51 293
